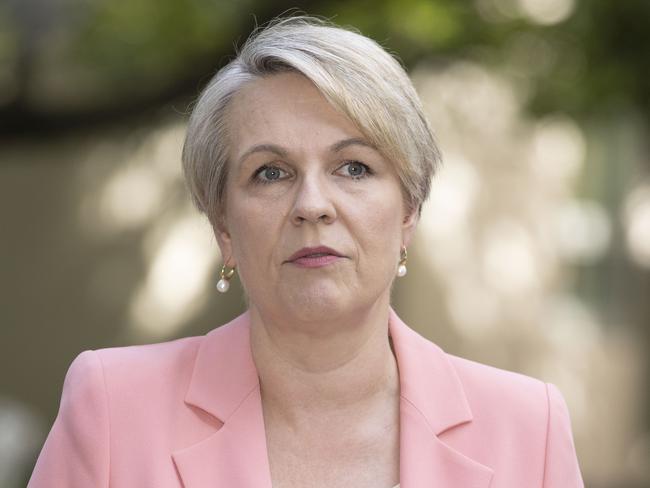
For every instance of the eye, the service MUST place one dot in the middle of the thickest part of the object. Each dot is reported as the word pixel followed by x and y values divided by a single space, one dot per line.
pixel 356 169
pixel 269 174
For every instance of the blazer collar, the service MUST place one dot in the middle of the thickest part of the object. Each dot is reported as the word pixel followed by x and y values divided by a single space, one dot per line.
pixel 427 379
pixel 224 371
pixel 432 401
pixel 224 383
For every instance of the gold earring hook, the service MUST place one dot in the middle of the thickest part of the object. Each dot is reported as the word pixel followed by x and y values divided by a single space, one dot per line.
pixel 227 274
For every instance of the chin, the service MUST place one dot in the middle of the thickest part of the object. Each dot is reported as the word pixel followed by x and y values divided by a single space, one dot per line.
pixel 313 305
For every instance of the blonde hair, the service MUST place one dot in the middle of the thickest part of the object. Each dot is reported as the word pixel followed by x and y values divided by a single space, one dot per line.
pixel 354 73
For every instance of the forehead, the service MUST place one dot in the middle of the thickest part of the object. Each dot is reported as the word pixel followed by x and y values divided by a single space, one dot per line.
pixel 285 108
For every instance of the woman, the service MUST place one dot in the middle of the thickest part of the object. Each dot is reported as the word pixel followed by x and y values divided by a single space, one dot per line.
pixel 311 157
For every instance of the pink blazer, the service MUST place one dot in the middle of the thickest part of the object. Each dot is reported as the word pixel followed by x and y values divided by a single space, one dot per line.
pixel 188 413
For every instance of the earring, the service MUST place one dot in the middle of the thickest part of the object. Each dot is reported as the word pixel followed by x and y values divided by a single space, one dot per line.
pixel 401 269
pixel 224 283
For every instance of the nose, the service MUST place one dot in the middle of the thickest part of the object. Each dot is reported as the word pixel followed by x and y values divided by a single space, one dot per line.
pixel 312 202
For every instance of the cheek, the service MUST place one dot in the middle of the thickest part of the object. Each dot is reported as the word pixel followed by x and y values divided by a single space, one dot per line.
pixel 255 231
pixel 379 227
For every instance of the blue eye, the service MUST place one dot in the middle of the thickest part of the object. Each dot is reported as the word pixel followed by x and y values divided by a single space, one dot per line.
pixel 269 174
pixel 356 169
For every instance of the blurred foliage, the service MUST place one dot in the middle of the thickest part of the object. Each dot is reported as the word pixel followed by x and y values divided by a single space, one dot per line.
pixel 155 41
pixel 603 59
pixel 74 60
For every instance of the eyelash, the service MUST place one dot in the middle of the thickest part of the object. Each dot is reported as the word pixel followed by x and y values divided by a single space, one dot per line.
pixel 257 179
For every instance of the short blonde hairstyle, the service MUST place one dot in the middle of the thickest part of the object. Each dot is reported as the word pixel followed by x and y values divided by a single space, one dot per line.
pixel 354 73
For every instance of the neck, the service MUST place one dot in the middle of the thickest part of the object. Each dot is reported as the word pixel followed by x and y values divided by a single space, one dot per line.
pixel 332 366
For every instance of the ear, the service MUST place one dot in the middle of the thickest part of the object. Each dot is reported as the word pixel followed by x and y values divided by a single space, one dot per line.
pixel 224 241
pixel 409 223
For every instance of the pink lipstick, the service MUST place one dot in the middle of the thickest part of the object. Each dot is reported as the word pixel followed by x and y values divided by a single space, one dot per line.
pixel 315 257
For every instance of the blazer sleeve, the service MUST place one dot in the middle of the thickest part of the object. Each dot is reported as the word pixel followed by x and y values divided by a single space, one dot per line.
pixel 561 469
pixel 76 451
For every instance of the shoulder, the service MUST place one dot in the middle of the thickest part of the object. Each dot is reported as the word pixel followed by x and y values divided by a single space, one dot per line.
pixel 519 410
pixel 529 417
pixel 142 360
pixel 158 373
pixel 491 387
pixel 147 371
pixel 510 417
pixel 487 394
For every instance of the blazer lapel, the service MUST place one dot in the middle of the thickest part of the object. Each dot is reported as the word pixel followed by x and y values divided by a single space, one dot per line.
pixel 225 384
pixel 432 402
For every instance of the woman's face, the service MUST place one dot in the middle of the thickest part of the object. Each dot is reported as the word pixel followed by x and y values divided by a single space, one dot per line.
pixel 302 175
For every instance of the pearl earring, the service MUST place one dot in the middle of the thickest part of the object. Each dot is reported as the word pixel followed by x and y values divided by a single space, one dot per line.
pixel 401 269
pixel 224 283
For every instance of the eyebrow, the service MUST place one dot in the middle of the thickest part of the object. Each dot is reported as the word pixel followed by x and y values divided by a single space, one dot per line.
pixel 351 142
pixel 280 151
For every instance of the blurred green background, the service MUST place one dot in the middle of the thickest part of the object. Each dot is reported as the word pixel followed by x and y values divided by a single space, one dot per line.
pixel 533 253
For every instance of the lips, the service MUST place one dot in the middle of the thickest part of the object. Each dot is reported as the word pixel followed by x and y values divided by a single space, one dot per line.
pixel 314 252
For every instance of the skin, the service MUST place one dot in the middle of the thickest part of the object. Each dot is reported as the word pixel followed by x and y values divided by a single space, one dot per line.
pixel 319 336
